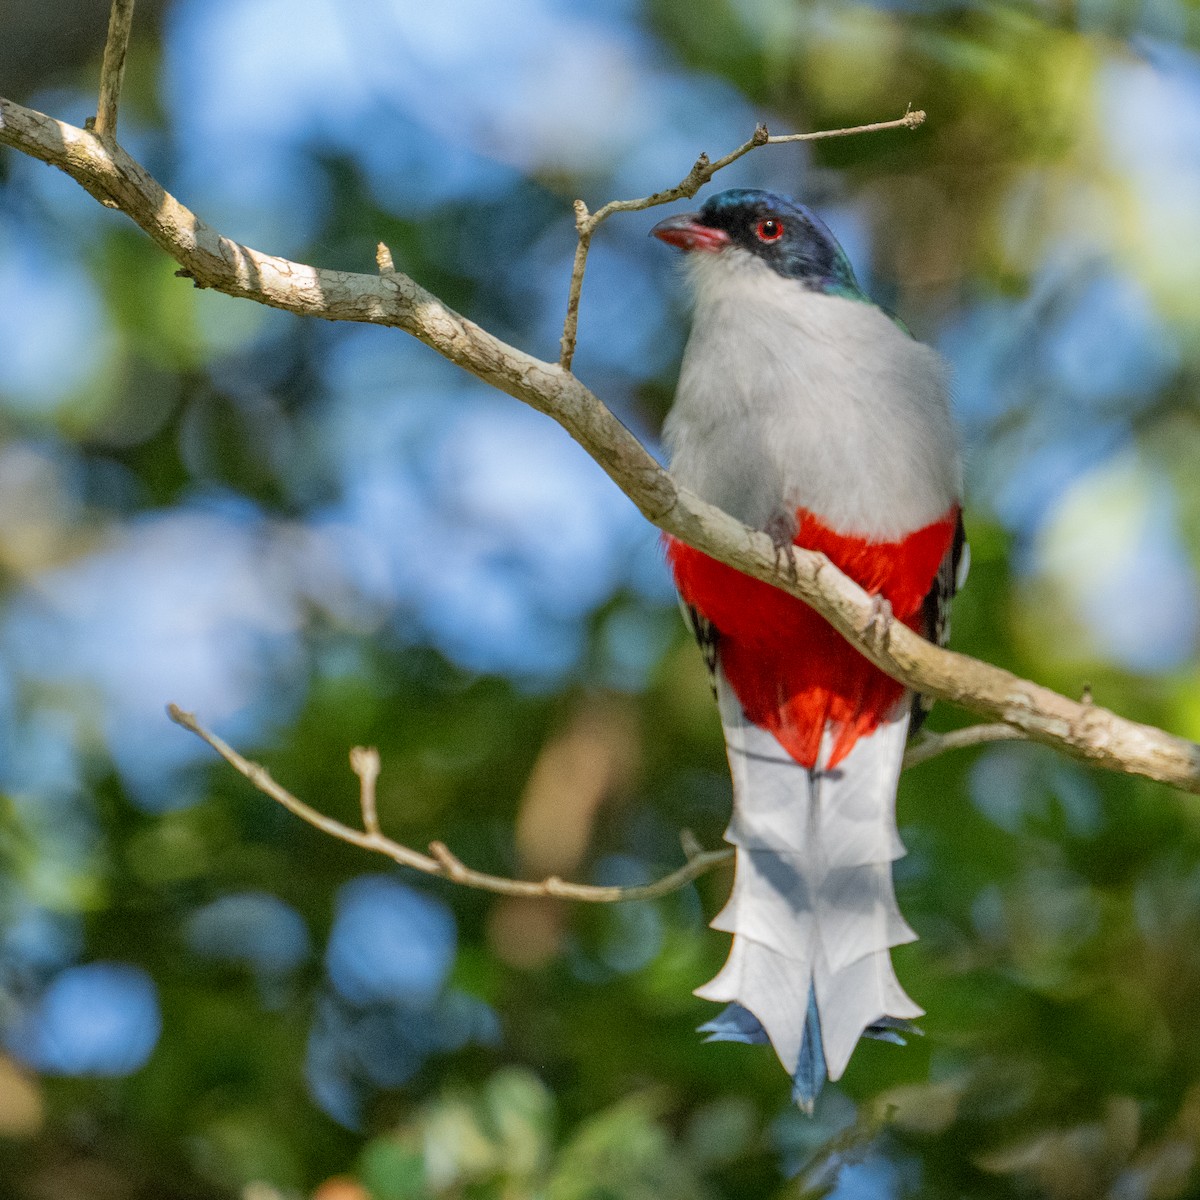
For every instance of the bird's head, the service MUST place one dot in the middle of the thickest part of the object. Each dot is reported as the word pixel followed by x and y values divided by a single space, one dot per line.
pixel 778 232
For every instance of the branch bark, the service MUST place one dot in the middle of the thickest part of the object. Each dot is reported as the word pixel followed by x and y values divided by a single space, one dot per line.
pixel 1085 731
pixel 112 68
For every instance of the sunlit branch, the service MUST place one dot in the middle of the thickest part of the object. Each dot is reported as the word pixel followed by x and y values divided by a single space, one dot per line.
pixel 442 862
pixel 1084 731
pixel 112 69
pixel 702 171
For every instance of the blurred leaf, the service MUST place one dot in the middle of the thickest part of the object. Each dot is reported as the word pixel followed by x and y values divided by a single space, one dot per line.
pixel 392 1171
pixel 623 1153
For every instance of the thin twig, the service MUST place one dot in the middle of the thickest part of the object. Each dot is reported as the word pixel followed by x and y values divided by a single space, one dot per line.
pixel 702 171
pixel 261 778
pixel 112 68
pixel 911 119
pixel 442 862
pixel 690 844
pixel 570 331
pixel 927 744
pixel 365 764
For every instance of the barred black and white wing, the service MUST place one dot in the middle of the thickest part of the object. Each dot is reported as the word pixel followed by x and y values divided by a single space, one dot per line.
pixel 951 576
pixel 707 638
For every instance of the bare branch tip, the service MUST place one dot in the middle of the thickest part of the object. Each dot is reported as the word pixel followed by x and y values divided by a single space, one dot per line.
pixel 186 719
pixel 691 845
pixel 364 760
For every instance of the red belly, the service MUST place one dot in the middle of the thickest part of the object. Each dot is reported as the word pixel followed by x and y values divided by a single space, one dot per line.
pixel 791 670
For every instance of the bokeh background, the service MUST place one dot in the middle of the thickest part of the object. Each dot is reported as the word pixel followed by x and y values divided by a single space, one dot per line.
pixel 320 536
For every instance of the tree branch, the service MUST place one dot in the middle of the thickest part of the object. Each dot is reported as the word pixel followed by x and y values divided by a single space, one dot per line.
pixel 441 862
pixel 1084 731
pixel 112 69
pixel 702 171
pixel 927 744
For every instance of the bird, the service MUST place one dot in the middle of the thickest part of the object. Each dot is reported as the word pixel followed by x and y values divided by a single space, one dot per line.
pixel 809 412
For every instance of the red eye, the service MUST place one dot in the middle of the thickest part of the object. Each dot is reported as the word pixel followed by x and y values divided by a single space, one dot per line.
pixel 769 230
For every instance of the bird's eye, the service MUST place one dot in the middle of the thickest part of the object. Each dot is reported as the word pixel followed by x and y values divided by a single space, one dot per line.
pixel 769 230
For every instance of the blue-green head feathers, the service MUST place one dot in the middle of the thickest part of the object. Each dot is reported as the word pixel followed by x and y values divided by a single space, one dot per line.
pixel 789 238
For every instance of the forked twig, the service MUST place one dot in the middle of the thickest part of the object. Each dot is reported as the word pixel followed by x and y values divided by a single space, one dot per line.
pixel 442 862
pixel 439 861
pixel 702 171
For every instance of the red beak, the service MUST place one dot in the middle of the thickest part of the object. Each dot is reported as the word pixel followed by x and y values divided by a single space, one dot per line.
pixel 686 232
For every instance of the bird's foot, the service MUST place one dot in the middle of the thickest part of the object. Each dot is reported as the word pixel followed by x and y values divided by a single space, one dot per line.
pixel 879 621
pixel 782 529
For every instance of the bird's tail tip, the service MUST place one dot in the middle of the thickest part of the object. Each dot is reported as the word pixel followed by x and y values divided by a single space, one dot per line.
pixel 811 1071
pixel 896 1030
pixel 735 1023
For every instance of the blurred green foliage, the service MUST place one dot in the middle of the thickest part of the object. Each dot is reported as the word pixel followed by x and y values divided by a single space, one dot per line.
pixel 1058 911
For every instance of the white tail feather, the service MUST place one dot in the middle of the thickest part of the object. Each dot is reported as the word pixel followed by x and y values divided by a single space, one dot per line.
pixel 812 908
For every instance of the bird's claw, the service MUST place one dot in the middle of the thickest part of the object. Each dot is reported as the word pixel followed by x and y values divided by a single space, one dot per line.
pixel 781 529
pixel 881 618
